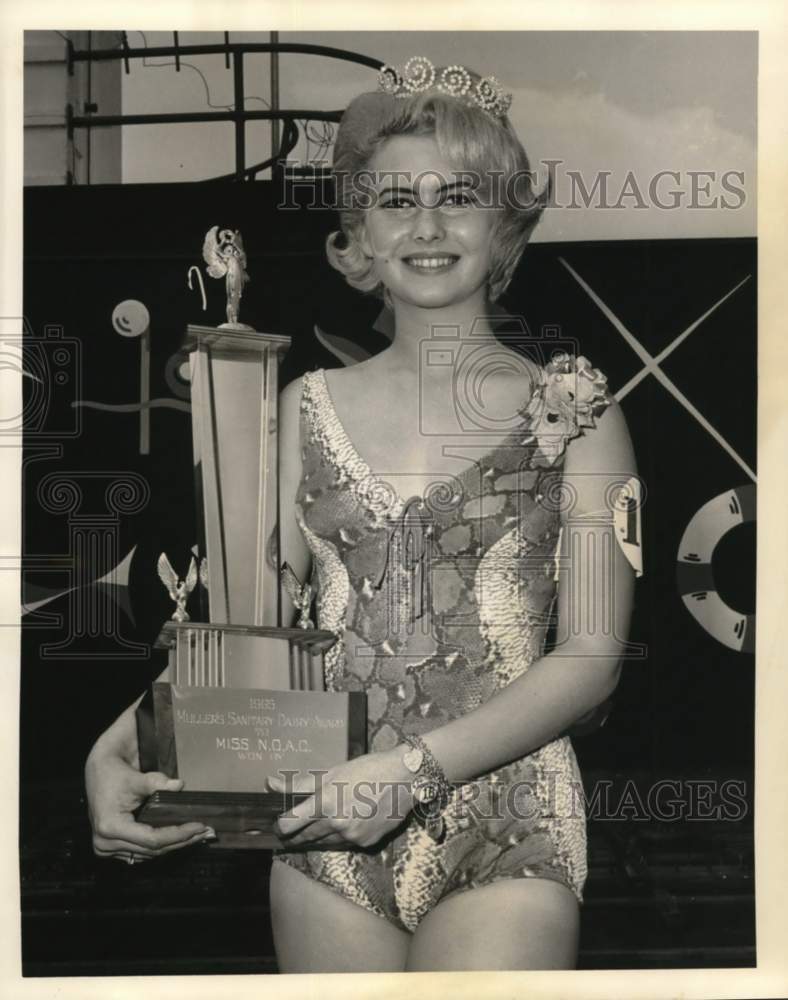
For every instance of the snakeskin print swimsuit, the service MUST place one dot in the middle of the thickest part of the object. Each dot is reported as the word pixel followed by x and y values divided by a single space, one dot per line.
pixel 437 603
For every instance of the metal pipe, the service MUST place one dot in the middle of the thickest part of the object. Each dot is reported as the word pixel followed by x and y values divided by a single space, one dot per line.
pixel 239 115
pixel 89 102
pixel 274 95
pixel 240 121
pixel 288 145
pixel 264 114
pixel 102 55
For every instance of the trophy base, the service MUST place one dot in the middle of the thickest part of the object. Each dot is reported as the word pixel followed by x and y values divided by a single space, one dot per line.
pixel 224 743
pixel 206 654
pixel 246 704
pixel 241 820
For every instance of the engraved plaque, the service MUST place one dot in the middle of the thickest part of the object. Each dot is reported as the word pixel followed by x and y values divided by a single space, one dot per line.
pixel 225 742
pixel 231 740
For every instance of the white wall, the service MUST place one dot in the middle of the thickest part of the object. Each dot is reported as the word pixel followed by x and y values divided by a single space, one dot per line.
pixel 638 102
pixel 629 104
pixel 49 156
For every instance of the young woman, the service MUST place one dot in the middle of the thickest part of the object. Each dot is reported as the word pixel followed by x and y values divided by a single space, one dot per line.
pixel 429 489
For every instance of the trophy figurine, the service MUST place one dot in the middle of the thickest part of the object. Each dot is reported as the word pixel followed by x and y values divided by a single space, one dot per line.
pixel 178 590
pixel 245 698
pixel 223 252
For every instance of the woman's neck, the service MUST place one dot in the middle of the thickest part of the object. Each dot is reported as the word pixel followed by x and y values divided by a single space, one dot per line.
pixel 416 328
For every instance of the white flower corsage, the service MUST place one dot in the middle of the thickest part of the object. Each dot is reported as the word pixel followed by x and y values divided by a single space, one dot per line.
pixel 570 394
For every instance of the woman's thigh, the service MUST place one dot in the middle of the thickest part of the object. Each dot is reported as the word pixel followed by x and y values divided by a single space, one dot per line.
pixel 526 923
pixel 318 930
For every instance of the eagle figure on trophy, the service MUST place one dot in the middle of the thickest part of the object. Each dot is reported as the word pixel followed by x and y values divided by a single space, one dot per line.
pixel 178 590
pixel 223 252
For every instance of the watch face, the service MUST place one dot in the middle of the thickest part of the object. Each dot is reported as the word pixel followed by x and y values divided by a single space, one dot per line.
pixel 413 759
pixel 426 792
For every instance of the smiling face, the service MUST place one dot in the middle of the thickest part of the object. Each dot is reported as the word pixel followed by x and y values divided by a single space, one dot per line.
pixel 428 236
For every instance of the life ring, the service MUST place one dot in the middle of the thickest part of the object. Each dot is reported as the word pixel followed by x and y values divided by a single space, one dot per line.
pixel 694 575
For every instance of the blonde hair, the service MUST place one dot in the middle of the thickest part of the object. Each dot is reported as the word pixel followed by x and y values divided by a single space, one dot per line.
pixel 467 136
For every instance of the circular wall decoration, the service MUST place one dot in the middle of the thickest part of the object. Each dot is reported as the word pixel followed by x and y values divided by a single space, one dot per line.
pixel 130 318
pixel 695 576
pixel 177 374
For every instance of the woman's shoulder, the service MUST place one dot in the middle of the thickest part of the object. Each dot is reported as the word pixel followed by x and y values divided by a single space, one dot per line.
pixel 292 400
pixel 296 392
pixel 292 391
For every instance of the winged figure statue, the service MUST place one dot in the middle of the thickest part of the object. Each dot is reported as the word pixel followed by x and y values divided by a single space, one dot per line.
pixel 223 252
pixel 178 590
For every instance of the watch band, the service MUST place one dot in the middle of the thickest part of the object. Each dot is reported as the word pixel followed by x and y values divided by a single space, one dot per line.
pixel 430 787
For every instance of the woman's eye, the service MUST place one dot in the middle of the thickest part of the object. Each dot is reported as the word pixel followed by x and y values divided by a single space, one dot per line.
pixel 398 202
pixel 459 199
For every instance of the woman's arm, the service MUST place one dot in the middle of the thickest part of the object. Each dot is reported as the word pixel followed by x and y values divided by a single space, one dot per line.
pixel 294 549
pixel 555 691
pixel 116 787
pixel 114 784
pixel 584 668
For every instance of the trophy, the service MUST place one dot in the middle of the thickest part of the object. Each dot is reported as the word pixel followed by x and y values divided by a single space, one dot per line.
pixel 246 697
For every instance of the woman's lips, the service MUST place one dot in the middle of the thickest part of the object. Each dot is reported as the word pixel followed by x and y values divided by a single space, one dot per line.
pixel 430 264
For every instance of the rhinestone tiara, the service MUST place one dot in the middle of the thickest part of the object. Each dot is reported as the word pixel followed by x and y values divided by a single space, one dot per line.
pixel 420 74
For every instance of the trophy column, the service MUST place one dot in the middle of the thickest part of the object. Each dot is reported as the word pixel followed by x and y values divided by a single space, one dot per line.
pixel 246 698
pixel 235 390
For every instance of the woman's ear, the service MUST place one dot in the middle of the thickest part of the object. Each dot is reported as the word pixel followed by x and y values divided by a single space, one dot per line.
pixel 362 238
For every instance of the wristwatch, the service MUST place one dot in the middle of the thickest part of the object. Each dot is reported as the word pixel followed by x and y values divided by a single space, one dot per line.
pixel 430 787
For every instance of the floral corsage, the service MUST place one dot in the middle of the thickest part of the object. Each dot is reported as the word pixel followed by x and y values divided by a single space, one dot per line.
pixel 568 397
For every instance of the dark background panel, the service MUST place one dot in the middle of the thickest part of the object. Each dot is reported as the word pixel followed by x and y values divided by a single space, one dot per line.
pixel 685 709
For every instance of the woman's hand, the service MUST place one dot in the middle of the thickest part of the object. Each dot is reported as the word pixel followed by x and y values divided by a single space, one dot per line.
pixel 114 790
pixel 355 805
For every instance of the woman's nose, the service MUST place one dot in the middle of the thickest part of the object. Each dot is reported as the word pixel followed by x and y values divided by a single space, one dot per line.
pixel 428 224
